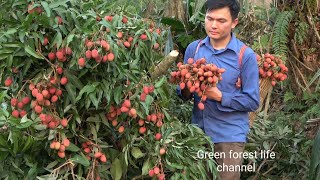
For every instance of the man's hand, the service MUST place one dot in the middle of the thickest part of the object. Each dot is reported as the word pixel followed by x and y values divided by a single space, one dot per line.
pixel 186 93
pixel 213 93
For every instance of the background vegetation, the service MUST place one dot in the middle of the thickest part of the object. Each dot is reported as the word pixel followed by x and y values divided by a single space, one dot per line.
pixel 287 123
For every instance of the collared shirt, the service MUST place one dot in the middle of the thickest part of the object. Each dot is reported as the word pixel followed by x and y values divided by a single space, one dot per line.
pixel 228 120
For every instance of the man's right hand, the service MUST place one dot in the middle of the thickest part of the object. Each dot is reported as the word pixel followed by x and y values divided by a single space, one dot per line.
pixel 186 93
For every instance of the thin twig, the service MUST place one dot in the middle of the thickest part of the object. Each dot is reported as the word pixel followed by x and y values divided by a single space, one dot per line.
pixel 263 162
pixel 22 88
pixel 138 177
pixel 264 174
pixel 315 120
pixel 295 50
pixel 309 18
pixel 267 104
pixel 303 79
pixel 260 47
pixel 294 72
pixel 295 58
pixel 72 172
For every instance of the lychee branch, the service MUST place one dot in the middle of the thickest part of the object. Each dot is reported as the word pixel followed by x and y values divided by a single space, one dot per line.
pixel 164 65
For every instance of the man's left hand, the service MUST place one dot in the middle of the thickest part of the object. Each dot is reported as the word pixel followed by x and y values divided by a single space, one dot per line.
pixel 213 93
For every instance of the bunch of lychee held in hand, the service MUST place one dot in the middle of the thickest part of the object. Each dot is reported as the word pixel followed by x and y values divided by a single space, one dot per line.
pixel 197 76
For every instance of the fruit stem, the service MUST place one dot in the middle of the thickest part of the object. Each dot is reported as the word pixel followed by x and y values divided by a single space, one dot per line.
pixel 22 88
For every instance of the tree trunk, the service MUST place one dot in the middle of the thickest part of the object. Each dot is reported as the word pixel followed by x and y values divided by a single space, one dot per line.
pixel 175 9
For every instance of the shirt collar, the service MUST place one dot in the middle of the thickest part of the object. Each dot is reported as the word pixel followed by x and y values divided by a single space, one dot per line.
pixel 232 45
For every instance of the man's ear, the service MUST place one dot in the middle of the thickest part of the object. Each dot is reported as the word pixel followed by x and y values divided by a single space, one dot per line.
pixel 234 23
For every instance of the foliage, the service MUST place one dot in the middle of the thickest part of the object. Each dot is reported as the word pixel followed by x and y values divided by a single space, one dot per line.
pixel 281 31
pixel 91 92
pixel 314 172
pixel 291 148
pixel 255 27
pixel 184 34
pixel 301 33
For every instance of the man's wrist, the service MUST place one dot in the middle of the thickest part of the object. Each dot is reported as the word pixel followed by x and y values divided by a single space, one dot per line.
pixel 219 97
pixel 186 93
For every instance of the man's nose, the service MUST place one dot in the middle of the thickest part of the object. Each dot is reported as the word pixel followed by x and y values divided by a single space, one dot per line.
pixel 214 24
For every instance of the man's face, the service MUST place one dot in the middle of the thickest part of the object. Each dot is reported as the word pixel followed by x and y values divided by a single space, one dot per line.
pixel 219 23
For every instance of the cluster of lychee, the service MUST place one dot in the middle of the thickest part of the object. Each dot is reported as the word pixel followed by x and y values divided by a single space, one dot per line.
pixel 272 67
pixel 88 148
pixel 197 76
pixel 31 9
pixel 114 112
pixel 126 108
pixel 156 118
pixel 126 40
pixel 61 55
pixel 60 146
pixel 156 171
pixel 145 91
pixel 20 105
pixel 45 95
pixel 52 121
pixel 98 50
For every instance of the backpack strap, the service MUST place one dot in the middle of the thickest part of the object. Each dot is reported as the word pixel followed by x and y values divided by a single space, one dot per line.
pixel 242 50
pixel 197 49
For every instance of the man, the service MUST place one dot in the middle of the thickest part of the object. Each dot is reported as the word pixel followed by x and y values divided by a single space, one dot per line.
pixel 225 117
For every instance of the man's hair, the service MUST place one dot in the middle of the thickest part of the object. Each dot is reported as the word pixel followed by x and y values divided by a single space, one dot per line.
pixel 233 6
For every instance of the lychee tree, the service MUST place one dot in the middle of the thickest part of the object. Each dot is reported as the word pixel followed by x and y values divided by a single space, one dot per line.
pixel 83 98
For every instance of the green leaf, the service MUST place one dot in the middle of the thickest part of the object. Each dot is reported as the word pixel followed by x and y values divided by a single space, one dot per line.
pixel 32 52
pixel 159 83
pixel 46 8
pixel 70 38
pixel 146 167
pixel 116 170
pixel 40 127
pixel 13 44
pixel 136 153
pixel 3 142
pixel 315 159
pixel 28 144
pixel 9 61
pixel 56 4
pixel 25 125
pixel 175 24
pixel 3 155
pixel 9 32
pixel 52 164
pixel 2 95
pixel 24 119
pixel 66 109
pixel 57 40
pixel 73 80
pixel 22 34
pixel 93 131
pixel 94 99
pixel 81 160
pixel 6 51
pixel 71 92
pixel 86 89
pixel 174 165
pixel 117 94
pixel 147 103
pixel 73 148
